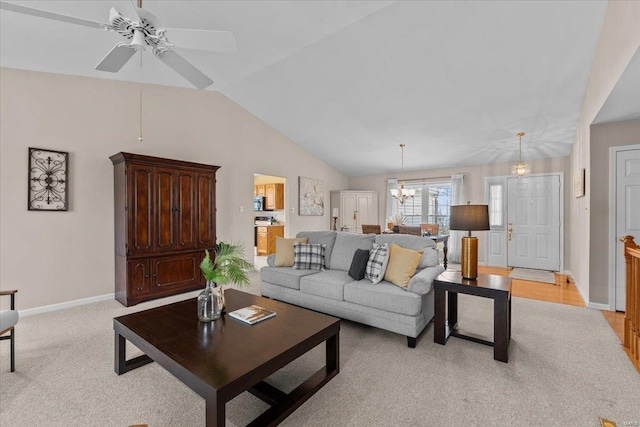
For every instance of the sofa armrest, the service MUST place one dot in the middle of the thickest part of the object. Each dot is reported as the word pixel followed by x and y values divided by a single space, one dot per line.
pixel 271 260
pixel 422 282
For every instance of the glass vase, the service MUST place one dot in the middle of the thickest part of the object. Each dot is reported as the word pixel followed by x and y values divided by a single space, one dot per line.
pixel 209 303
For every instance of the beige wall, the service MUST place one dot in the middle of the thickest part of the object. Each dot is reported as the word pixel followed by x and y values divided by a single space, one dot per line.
pixel 55 257
pixel 619 40
pixel 474 186
pixel 603 137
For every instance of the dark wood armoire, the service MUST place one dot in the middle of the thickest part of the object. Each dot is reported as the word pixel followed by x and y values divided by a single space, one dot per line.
pixel 165 216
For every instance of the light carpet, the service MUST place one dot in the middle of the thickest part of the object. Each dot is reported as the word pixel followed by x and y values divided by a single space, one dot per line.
pixel 533 275
pixel 566 368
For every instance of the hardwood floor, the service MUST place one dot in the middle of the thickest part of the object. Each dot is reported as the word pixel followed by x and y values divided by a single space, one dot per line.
pixel 562 292
pixel 616 320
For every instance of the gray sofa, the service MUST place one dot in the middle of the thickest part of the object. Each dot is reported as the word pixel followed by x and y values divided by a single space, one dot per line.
pixel 332 291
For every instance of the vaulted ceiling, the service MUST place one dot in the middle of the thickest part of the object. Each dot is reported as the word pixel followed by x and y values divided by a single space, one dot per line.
pixel 349 81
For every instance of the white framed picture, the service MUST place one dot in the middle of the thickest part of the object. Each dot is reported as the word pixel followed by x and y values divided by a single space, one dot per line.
pixel 579 183
pixel 311 196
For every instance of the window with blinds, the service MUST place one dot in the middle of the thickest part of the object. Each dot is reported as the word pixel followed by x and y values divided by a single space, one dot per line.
pixel 430 205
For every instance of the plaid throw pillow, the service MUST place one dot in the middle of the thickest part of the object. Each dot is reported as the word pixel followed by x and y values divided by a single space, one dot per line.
pixel 308 256
pixel 377 264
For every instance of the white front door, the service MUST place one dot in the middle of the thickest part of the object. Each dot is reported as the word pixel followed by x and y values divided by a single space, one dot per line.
pixel 628 212
pixel 533 221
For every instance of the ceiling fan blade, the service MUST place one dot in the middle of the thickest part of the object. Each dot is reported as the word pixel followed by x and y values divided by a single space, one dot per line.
pixel 185 69
pixel 149 17
pixel 116 59
pixel 50 15
pixel 214 41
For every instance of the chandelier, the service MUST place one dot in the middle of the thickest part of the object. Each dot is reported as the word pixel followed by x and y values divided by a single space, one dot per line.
pixel 402 194
pixel 520 169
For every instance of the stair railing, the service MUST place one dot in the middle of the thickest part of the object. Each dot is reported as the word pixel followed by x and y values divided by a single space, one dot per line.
pixel 632 313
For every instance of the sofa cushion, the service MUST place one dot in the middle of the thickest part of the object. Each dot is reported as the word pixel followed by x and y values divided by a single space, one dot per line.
pixel 402 265
pixel 326 238
pixel 359 264
pixel 416 243
pixel 377 263
pixel 308 256
pixel 284 251
pixel 284 276
pixel 346 245
pixel 327 284
pixel 384 296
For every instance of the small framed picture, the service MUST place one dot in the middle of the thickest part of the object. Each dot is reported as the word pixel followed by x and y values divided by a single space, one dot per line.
pixel 579 183
pixel 48 176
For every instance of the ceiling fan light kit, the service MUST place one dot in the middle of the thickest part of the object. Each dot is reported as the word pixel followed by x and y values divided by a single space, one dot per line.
pixel 145 31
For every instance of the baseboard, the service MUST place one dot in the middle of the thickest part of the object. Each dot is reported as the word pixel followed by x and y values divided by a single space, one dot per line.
pixel 63 305
pixel 589 304
pixel 575 283
pixel 598 306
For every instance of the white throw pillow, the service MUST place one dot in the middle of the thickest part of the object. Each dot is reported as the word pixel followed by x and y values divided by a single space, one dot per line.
pixel 377 264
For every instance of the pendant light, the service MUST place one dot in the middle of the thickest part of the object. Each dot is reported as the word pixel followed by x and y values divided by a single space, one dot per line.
pixel 520 169
pixel 402 194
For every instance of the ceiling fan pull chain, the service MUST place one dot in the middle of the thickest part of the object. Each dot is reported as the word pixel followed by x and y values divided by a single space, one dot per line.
pixel 140 137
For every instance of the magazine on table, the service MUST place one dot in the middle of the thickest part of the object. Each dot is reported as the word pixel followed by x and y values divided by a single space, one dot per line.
pixel 252 314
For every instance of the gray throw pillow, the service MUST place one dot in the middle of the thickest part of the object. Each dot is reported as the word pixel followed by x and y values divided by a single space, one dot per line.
pixel 359 264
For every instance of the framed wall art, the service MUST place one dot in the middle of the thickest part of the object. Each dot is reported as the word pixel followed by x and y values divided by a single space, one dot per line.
pixel 48 176
pixel 578 183
pixel 311 195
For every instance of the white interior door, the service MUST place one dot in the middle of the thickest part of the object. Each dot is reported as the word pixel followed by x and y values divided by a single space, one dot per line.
pixel 534 222
pixel 627 212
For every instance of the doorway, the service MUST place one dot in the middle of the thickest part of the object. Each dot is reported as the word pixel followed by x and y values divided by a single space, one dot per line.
pixel 525 219
pixel 623 215
pixel 269 216
pixel 533 221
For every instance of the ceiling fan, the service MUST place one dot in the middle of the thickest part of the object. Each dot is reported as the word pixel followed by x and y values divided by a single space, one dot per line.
pixel 144 31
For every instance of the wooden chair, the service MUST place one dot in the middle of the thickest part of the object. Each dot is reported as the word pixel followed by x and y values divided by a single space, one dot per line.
pixel 406 229
pixel 8 319
pixel 432 228
pixel 371 229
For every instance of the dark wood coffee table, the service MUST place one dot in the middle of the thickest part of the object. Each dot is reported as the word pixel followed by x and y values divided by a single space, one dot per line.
pixel 220 360
pixel 498 288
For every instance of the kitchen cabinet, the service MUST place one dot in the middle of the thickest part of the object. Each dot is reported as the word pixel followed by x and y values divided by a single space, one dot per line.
pixel 258 190
pixel 354 209
pixel 266 238
pixel 164 219
pixel 274 196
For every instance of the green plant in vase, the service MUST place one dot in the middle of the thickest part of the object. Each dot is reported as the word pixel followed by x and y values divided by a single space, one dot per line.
pixel 228 266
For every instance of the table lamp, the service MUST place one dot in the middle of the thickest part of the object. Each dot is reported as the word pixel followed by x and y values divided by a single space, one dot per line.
pixel 335 218
pixel 469 218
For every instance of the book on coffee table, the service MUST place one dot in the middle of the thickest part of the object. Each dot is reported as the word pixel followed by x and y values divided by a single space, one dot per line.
pixel 252 314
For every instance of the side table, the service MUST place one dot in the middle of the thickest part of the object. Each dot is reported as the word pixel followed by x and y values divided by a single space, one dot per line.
pixel 449 284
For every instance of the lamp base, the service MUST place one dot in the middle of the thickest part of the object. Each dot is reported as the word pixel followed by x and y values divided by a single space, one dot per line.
pixel 469 258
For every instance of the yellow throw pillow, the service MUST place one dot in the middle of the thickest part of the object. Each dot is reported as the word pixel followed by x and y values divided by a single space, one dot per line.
pixel 284 250
pixel 402 265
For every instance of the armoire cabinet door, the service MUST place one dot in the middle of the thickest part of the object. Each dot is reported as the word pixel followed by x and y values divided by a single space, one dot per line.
pixel 186 209
pixel 140 206
pixel 139 275
pixel 175 271
pixel 165 183
pixel 206 210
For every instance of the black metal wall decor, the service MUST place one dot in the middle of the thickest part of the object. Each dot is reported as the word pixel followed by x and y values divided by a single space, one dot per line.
pixel 48 175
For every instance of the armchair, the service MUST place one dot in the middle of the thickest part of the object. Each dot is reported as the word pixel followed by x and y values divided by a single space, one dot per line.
pixel 8 319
